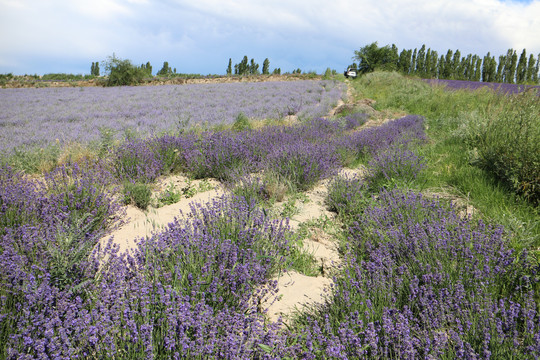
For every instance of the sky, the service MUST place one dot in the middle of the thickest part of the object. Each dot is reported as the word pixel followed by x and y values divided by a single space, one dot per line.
pixel 199 36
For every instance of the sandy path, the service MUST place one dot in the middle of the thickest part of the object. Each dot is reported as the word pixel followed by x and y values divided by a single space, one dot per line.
pixel 139 223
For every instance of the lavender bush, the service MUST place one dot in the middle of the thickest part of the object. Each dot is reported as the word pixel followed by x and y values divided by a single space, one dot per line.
pixel 367 142
pixel 421 282
pixel 302 164
pixel 417 280
pixel 347 196
pixel 396 163
pixel 502 88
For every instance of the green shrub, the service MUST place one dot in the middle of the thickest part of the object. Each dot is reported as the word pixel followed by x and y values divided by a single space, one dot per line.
pixel 138 194
pixel 241 123
pixel 123 72
pixel 509 147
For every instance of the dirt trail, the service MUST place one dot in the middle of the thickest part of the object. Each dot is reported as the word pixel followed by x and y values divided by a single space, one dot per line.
pixel 139 223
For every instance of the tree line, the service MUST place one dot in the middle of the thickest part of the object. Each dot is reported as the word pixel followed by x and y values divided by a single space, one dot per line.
pixel 145 70
pixel 250 68
pixel 427 63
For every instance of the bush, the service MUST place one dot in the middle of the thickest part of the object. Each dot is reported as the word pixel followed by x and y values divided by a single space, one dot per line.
pixel 123 72
pixel 241 123
pixel 138 194
pixel 509 146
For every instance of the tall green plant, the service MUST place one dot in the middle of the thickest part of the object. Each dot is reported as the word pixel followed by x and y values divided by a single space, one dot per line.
pixel 123 72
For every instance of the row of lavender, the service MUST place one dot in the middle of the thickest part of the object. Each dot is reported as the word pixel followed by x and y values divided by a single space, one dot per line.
pixel 419 281
pixel 502 88
pixel 37 117
pixel 189 291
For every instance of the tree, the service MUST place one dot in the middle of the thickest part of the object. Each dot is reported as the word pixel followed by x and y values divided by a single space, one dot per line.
pixel 509 70
pixel 253 67
pixel 229 67
pixel 478 68
pixel 122 72
pixel 165 70
pixel 266 66
pixel 521 74
pixel 530 69
pixel 447 66
pixel 434 64
pixel 277 71
pixel 243 67
pixel 412 70
pixel 456 64
pixel 372 57
pixel 500 67
pixel 94 69
pixel 404 61
pixel 421 61
pixel 536 69
pixel 147 69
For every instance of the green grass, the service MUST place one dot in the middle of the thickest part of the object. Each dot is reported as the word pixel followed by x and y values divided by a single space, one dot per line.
pixel 463 128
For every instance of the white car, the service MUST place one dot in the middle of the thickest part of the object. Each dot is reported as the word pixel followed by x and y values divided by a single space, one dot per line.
pixel 350 73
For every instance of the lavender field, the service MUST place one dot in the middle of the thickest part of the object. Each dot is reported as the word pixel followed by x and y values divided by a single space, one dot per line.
pixel 38 117
pixel 501 88
pixel 417 279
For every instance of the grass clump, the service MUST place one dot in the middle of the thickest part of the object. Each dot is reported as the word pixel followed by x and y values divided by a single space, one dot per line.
pixel 137 193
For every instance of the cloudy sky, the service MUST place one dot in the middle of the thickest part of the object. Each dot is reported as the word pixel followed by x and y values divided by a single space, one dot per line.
pixel 199 36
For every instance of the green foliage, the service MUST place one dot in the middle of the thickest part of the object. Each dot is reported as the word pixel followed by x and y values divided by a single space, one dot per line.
pixel 241 123
pixel 372 57
pixel 463 137
pixel 347 196
pixel 169 196
pixel 123 72
pixel 165 70
pixel 147 68
pixel 138 194
pixel 94 69
pixel 266 66
pixel 229 67
pixel 509 145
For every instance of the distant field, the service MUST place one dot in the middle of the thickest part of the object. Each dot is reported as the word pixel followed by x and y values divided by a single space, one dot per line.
pixel 37 117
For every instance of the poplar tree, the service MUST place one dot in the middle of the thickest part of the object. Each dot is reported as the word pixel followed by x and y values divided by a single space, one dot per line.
pixel 521 73
pixel 254 67
pixel 421 61
pixel 500 68
pixel 509 72
pixel 94 69
pixel 229 67
pixel 530 69
pixel 456 64
pixel 448 65
pixel 243 67
pixel 404 61
pixel 434 64
pixel 536 69
pixel 485 67
pixel 427 64
pixel 165 70
pixel 394 58
pixel 266 66
pixel 478 68
pixel 413 62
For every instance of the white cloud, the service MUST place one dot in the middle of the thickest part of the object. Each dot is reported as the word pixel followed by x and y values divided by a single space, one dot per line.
pixel 201 34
